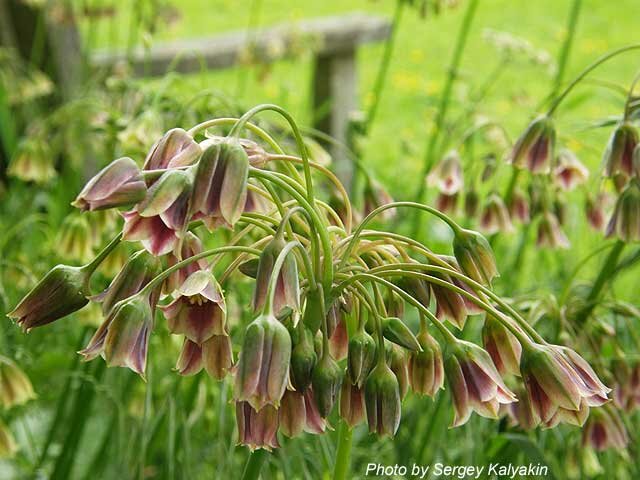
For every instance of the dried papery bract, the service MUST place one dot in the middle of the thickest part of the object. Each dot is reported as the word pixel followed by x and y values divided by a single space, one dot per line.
pixel 625 221
pixel 475 383
pixel 263 366
pixel 61 292
pixel 618 156
pixel 118 184
pixel 534 149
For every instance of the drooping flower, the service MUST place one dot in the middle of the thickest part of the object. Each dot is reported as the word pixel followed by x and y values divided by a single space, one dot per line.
pixel 303 359
pixel 495 216
pixel 118 184
pixel 8 446
pixel 396 331
pixel 618 156
pixel 550 233
pixel 33 162
pixel 326 381
pixel 175 149
pixel 287 293
pixel 604 429
pixel 314 423
pixel 595 211
pixel 220 191
pixel 257 428
pixel 569 171
pixel 475 256
pixel 339 340
pixel 447 203
pixel 199 310
pixel 123 337
pixel 625 221
pixel 160 219
pixel 502 346
pixel 382 400
pixel 398 362
pixel 475 383
pixel 446 176
pixel 426 369
pixel 61 292
pixel 471 307
pixel 450 305
pixel 351 407
pixel 561 386
pixel 140 269
pixel 191 245
pixel 263 366
pixel 534 149
pixel 361 356
pixel 292 415
pixel 519 207
pixel 74 240
pixel 15 386
pixel 214 355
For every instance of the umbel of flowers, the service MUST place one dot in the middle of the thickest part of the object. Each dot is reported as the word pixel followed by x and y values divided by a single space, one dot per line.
pixel 328 330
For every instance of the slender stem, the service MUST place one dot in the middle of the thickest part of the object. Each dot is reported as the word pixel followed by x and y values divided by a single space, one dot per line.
pixel 95 263
pixel 445 99
pixel 207 253
pixel 354 238
pixel 563 58
pixel 343 453
pixel 607 270
pixel 383 69
pixel 586 71
pixel 254 465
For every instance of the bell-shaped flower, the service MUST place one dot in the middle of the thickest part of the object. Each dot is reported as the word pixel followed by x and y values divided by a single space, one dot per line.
pixel 560 384
pixel 61 292
pixel 191 245
pixel 220 190
pixel 446 176
pixel 351 407
pixel 625 221
pixel 569 172
pixel 215 355
pixel 522 412
pixel 495 216
pixel 175 149
pixel 303 359
pixel 326 381
pixel 314 423
pixel 339 340
pixel 361 356
pixel 382 401
pixel 550 233
pixel 140 269
pixel 398 361
pixel 471 307
pixel 263 367
pixel 159 220
pixel 123 338
pixel 519 207
pixel 450 305
pixel 604 429
pixel 594 210
pixel 618 156
pixel 287 288
pixel 8 445
pixel 74 239
pixel 534 149
pixel 475 383
pixel 118 184
pixel 502 346
pixel 257 428
pixel 15 386
pixel 474 256
pixel 426 368
pixel 292 414
pixel 199 310
pixel 447 203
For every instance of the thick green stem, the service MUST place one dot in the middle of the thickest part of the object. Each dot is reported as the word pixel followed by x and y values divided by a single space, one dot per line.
pixel 606 272
pixel 445 99
pixel 254 465
pixel 343 454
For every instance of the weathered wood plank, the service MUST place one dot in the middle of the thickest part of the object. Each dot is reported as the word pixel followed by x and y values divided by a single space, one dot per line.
pixel 327 36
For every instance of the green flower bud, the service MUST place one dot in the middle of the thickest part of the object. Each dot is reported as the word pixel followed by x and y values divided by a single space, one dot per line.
pixel 399 365
pixel 263 367
pixel 61 292
pixel 426 370
pixel 475 256
pixel 326 381
pixel 397 332
pixel 361 357
pixel 303 359
pixel 382 400
pixel 314 311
